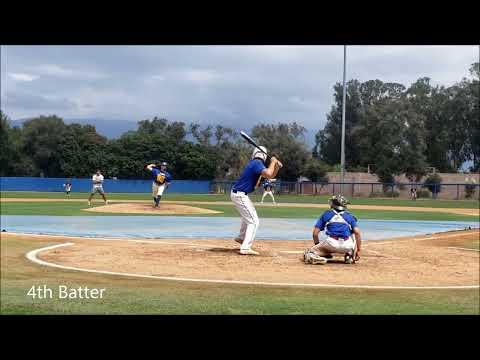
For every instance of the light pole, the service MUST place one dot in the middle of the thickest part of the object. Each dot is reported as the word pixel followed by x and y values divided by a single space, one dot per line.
pixel 342 158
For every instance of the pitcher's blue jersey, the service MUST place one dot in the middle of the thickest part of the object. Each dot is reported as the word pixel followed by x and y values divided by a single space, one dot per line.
pixel 161 177
pixel 337 229
pixel 249 177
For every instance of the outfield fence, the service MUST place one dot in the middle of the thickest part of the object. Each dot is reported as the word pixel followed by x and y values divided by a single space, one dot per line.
pixel 110 185
pixel 451 191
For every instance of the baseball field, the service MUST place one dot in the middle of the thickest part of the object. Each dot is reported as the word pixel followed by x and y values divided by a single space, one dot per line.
pixel 419 257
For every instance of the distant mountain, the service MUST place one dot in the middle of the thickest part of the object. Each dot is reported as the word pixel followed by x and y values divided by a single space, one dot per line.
pixel 113 129
pixel 109 128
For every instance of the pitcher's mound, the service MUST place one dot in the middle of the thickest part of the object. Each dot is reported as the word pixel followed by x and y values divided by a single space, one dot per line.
pixel 163 209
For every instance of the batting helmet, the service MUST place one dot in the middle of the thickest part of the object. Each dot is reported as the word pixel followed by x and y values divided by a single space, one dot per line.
pixel 338 202
pixel 259 154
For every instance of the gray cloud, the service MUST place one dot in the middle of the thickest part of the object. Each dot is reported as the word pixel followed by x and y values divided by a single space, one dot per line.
pixel 33 102
pixel 234 85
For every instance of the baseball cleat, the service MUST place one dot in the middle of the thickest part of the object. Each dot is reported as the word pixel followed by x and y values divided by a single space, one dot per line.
pixel 89 203
pixel 238 240
pixel 317 260
pixel 249 252
pixel 311 258
pixel 306 256
pixel 349 258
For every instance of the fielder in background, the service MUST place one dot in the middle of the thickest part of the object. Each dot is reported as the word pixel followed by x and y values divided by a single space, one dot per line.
pixel 97 180
pixel 268 189
pixel 242 187
pixel 68 188
pixel 413 193
pixel 161 181
pixel 342 235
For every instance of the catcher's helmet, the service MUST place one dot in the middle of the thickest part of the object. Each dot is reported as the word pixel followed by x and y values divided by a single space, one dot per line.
pixel 259 154
pixel 338 202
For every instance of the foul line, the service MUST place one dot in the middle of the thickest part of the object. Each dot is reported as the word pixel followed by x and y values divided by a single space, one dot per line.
pixel 33 256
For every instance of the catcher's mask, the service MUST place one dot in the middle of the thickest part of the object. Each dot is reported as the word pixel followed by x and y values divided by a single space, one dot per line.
pixel 257 154
pixel 338 202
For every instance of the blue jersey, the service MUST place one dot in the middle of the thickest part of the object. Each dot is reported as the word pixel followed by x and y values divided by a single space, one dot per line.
pixel 267 184
pixel 336 226
pixel 249 177
pixel 161 177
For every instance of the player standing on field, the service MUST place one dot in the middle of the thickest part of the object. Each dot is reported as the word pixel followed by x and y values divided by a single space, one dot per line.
pixel 161 180
pixel 413 193
pixel 97 180
pixel 68 188
pixel 242 187
pixel 268 190
pixel 339 226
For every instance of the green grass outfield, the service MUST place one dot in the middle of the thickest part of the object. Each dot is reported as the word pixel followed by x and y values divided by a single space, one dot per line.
pixel 74 208
pixel 142 296
pixel 465 204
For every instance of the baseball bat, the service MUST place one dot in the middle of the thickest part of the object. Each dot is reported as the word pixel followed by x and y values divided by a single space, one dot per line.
pixel 252 142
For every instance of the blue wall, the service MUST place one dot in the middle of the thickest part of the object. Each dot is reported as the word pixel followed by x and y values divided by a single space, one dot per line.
pixel 85 185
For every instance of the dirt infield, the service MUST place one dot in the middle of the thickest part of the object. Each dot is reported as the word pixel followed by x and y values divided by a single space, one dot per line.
pixel 423 261
pixel 163 209
pixel 460 211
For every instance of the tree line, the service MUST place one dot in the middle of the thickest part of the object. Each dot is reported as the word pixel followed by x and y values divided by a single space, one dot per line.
pixel 46 146
pixel 390 129
pixel 398 130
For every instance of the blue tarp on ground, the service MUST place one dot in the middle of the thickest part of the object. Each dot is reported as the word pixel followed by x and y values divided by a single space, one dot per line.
pixel 154 227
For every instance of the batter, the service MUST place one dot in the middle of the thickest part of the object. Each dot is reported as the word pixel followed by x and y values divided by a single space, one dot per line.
pixel 245 184
pixel 339 226
pixel 161 180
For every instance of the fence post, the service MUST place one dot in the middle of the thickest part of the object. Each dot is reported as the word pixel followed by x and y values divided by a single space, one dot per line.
pixel 458 191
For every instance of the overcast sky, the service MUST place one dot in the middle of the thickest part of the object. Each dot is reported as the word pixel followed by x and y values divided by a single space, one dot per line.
pixel 233 85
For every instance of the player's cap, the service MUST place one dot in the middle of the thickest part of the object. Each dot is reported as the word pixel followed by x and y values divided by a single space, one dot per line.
pixel 164 164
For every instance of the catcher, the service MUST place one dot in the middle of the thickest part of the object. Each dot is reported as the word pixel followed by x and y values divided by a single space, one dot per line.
pixel 342 235
pixel 161 181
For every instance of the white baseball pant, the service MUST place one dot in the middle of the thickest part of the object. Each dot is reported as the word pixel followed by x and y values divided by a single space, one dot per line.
pixel 248 216
pixel 157 190
pixel 330 245
pixel 268 193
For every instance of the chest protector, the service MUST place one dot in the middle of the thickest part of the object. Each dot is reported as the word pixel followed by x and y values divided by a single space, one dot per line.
pixel 338 218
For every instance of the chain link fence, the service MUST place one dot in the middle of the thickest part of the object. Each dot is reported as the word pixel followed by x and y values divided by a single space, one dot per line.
pixel 448 191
